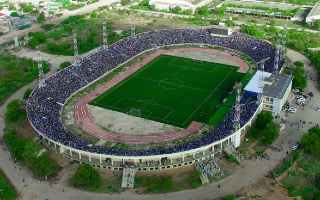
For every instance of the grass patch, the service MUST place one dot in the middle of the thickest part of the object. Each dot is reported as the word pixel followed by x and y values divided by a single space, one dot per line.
pixel 7 191
pixel 14 73
pixel 168 183
pixel 155 91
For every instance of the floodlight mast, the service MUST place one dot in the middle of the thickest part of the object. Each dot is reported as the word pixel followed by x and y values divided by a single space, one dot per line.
pixel 237 110
pixel 41 83
pixel 104 35
pixel 260 65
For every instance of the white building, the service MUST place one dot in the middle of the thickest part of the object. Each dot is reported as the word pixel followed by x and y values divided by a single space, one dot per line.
pixel 274 90
pixel 183 4
pixel 314 14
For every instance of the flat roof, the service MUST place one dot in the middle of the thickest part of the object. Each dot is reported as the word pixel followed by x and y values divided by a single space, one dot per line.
pixel 276 85
pixel 254 84
pixel 315 11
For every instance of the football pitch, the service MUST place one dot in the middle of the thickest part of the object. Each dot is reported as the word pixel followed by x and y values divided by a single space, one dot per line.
pixel 173 90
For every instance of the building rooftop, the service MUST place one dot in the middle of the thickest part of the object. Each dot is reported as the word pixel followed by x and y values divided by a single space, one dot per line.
pixel 276 85
pixel 314 14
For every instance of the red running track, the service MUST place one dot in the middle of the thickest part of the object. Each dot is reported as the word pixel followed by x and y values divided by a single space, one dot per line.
pixel 85 120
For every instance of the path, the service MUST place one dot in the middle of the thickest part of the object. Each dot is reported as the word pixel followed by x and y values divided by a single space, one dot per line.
pixel 53 60
pixel 250 171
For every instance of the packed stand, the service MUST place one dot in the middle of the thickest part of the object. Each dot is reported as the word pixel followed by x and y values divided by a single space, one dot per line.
pixel 44 106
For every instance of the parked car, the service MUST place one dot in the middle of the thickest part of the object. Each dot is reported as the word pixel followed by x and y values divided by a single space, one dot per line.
pixel 292 110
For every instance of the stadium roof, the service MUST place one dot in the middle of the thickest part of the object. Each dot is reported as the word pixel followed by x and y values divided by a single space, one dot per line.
pixel 254 84
pixel 276 85
pixel 273 85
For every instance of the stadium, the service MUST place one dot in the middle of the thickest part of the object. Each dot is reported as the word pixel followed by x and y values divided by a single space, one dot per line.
pixel 178 90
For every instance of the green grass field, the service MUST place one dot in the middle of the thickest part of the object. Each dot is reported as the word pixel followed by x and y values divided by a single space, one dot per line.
pixel 173 90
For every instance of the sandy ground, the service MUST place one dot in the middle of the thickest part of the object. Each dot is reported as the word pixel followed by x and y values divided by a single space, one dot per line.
pixel 123 123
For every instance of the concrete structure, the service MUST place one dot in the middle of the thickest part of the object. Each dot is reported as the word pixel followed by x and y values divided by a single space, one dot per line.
pixel 314 14
pixel 152 162
pixel 183 4
pixel 275 90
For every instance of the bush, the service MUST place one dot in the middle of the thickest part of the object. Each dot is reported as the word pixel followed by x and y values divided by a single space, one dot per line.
pixel 37 38
pixel 230 197
pixel 264 129
pixel 64 65
pixel 155 184
pixel 311 142
pixel 15 73
pixel 87 178
pixel 27 93
pixel 286 164
pixel 203 11
pixel 7 192
pixel 299 76
pixel 15 112
pixel 31 154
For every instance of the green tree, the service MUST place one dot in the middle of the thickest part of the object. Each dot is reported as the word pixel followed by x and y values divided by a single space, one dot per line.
pixel 125 2
pixel 263 119
pixel 264 129
pixel 36 39
pixel 86 177
pixel 299 76
pixel 64 65
pixel 41 18
pixel 203 11
pixel 311 142
pixel 15 112
pixel 27 93
pixel 230 197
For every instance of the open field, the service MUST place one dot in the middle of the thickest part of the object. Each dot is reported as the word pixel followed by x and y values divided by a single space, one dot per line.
pixel 172 90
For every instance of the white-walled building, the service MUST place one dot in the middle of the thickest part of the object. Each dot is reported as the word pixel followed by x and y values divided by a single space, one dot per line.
pixel 183 4
pixel 276 90
pixel 314 14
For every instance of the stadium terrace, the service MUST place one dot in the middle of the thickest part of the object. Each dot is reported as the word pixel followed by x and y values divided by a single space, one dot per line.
pixel 45 104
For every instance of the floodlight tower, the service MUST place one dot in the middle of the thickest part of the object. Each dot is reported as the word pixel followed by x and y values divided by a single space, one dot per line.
pixel 16 42
pixel 75 45
pixel 237 110
pixel 261 64
pixel 277 59
pixel 41 72
pixel 104 35
pixel 133 30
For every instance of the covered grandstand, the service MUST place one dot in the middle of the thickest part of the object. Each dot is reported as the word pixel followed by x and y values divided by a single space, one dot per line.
pixel 45 104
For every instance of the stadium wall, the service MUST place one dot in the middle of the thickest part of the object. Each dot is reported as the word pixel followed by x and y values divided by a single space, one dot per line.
pixel 152 162
pixel 142 163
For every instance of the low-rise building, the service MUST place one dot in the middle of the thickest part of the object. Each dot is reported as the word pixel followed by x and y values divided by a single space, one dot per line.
pixel 273 89
pixel 314 14
pixel 183 4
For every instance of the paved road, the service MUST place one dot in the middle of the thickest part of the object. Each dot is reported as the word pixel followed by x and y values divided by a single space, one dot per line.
pixel 36 27
pixel 53 60
pixel 249 172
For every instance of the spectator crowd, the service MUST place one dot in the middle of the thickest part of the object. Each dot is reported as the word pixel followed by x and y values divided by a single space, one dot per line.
pixel 44 105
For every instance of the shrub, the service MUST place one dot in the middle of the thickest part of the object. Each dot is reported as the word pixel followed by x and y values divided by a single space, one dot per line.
pixel 15 112
pixel 64 65
pixel 264 129
pixel 311 142
pixel 7 192
pixel 86 177
pixel 31 154
pixel 27 93
pixel 299 76
pixel 37 38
